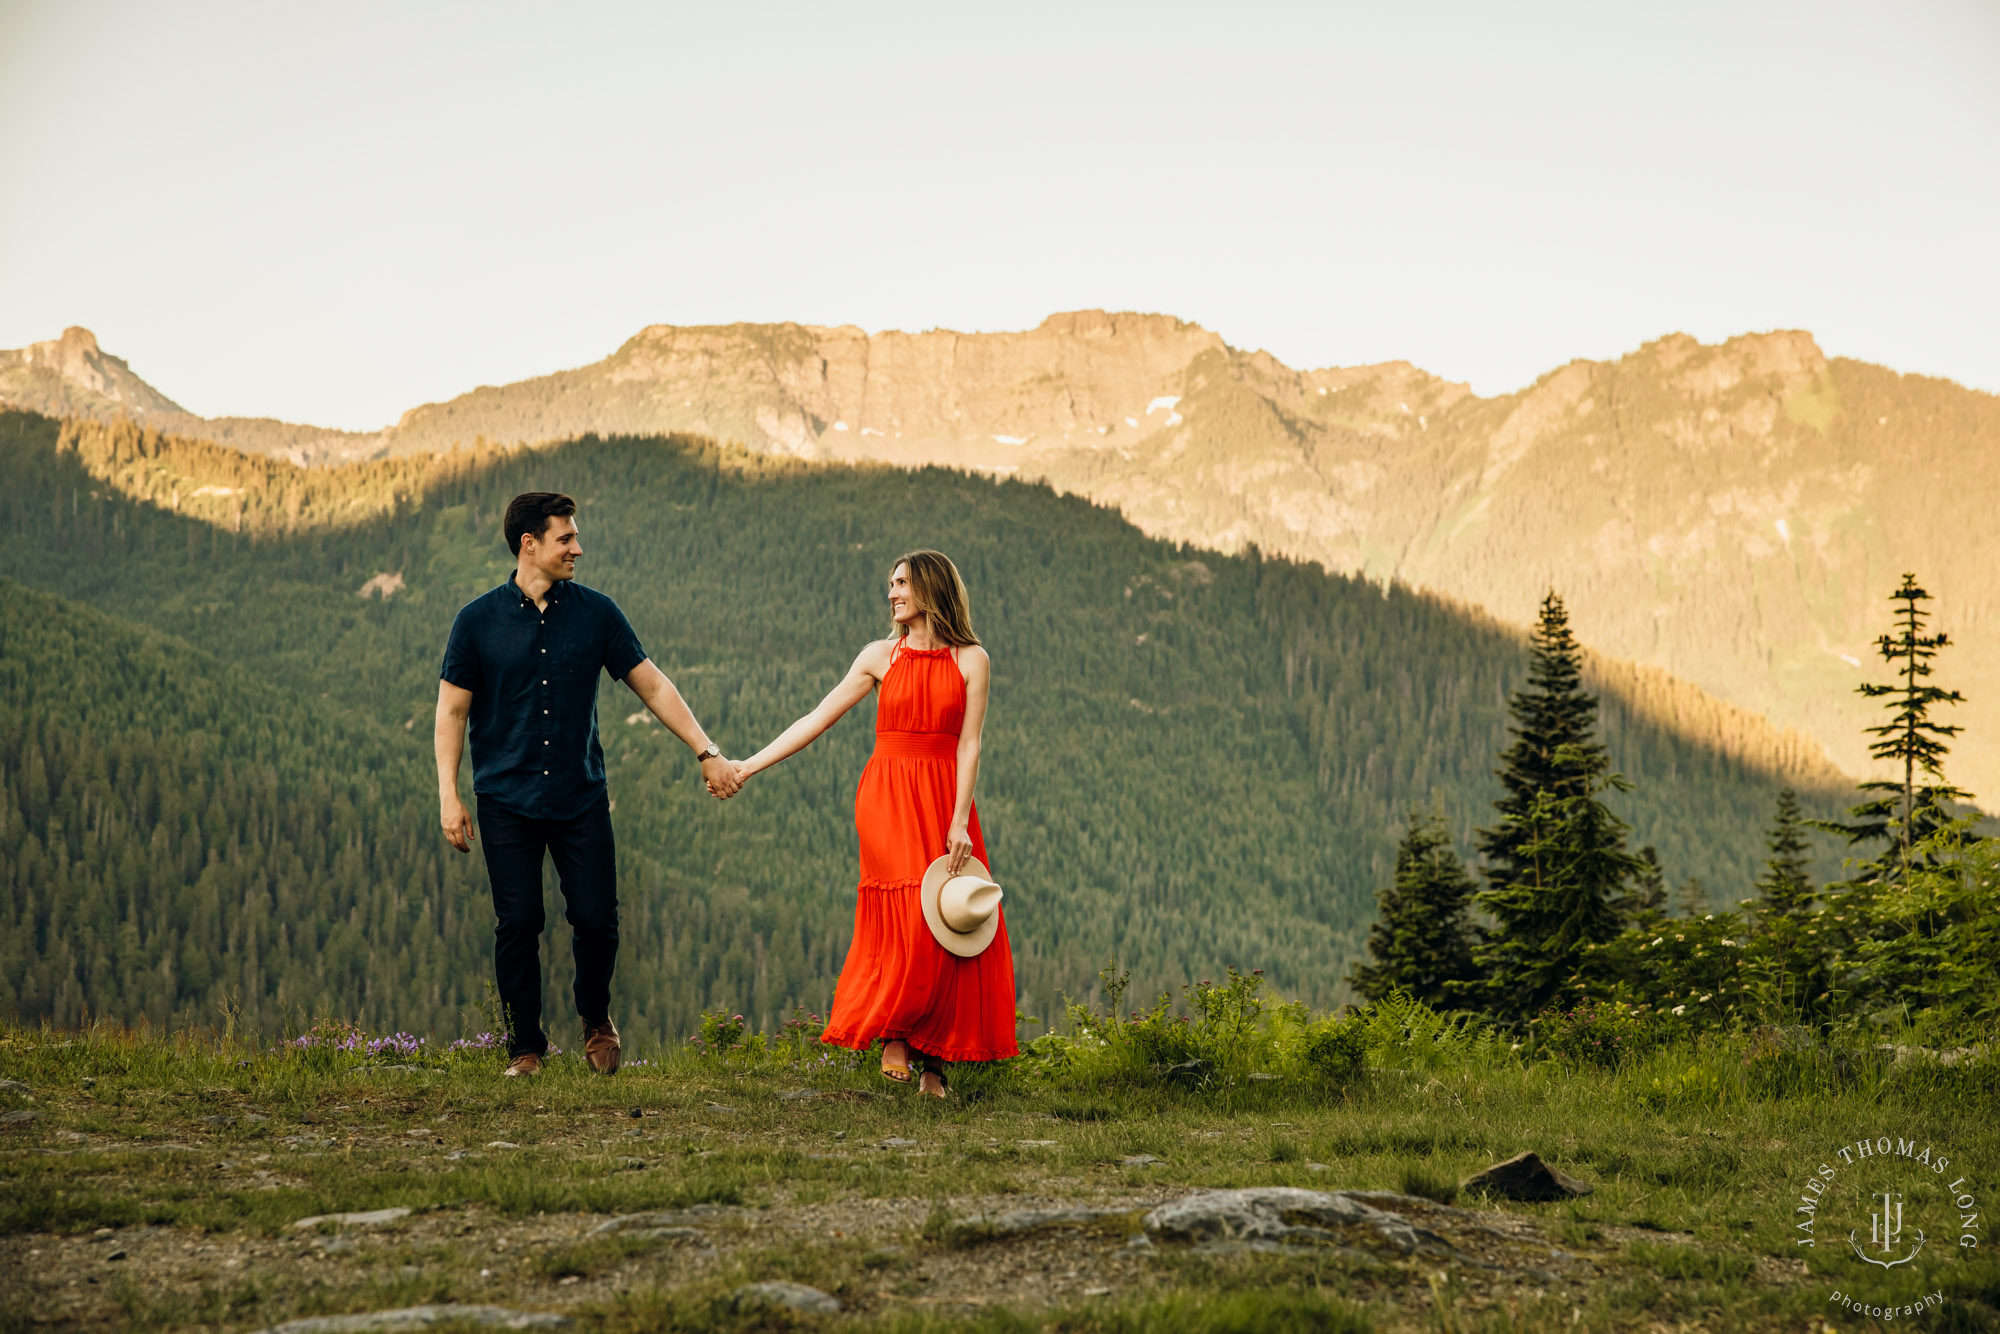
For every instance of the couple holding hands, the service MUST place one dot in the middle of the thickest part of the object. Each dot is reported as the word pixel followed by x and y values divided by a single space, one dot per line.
pixel 929 973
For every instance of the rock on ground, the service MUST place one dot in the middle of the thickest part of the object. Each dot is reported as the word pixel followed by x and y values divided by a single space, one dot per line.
pixel 1282 1216
pixel 666 1226
pixel 797 1296
pixel 421 1317
pixel 1524 1177
pixel 367 1219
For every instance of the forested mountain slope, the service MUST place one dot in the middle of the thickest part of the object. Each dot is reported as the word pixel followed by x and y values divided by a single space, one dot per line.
pixel 1731 514
pixel 1194 760
pixel 175 830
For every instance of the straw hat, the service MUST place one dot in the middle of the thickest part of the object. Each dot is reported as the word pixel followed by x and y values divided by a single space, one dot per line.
pixel 963 910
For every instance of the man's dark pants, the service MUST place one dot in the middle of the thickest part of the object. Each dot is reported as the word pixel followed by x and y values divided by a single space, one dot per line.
pixel 587 867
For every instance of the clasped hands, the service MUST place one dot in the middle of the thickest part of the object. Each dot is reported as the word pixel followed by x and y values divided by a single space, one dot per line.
pixel 723 777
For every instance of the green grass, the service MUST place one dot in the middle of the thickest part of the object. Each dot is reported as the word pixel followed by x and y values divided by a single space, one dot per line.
pixel 1689 1222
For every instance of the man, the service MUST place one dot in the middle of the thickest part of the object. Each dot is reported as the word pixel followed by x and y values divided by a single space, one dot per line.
pixel 522 666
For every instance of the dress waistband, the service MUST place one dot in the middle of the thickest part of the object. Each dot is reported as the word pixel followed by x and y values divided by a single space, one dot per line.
pixel 916 745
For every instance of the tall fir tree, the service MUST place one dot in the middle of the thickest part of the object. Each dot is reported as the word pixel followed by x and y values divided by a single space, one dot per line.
pixel 1554 748
pixel 1904 813
pixel 1565 901
pixel 1555 864
pixel 1422 942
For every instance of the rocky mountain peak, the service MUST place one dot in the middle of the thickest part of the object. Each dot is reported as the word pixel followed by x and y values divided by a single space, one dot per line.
pixel 76 360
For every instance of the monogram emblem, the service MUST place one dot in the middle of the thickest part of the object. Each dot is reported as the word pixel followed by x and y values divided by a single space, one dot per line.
pixel 1885 1232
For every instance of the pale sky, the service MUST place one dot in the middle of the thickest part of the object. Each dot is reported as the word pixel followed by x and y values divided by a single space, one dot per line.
pixel 332 213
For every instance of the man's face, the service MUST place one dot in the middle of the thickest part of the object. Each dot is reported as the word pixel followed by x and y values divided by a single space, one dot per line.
pixel 554 553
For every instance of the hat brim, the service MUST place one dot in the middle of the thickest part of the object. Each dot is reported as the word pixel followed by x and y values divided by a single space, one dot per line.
pixel 965 944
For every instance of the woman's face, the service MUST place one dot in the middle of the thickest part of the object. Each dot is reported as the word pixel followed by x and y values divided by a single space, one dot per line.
pixel 903 599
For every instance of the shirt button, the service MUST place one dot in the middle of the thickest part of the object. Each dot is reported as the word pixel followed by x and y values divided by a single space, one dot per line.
pixel 545 651
pixel 545 743
pixel 544 710
pixel 545 773
pixel 545 680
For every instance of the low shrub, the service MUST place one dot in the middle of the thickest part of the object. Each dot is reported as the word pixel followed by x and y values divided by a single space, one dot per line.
pixel 1402 1033
pixel 1606 1034
pixel 1334 1052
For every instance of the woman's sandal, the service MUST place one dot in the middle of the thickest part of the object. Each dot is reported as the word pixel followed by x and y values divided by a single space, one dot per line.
pixel 896 1061
pixel 935 1066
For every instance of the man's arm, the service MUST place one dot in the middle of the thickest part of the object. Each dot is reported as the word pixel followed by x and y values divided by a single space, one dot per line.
pixel 454 707
pixel 657 693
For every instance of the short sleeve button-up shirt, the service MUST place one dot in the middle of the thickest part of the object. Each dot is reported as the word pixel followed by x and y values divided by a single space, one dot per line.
pixel 533 677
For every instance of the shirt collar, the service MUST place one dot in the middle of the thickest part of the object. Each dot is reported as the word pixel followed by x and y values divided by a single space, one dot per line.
pixel 512 591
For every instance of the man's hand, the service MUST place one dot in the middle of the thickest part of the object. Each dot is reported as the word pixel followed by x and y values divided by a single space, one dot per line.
pixel 958 847
pixel 457 822
pixel 721 777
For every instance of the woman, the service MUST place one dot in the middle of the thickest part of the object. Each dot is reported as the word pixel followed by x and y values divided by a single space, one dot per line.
pixel 926 1004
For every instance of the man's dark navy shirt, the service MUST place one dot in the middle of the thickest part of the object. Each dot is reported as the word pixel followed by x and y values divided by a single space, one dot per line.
pixel 533 678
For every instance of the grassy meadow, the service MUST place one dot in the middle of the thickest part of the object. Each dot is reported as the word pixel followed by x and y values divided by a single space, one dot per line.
pixel 155 1182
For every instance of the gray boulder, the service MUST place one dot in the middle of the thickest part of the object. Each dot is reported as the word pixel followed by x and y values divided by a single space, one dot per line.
pixel 796 1296
pixel 367 1219
pixel 1283 1216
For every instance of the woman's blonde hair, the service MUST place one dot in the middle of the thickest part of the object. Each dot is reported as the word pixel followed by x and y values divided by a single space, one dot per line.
pixel 940 595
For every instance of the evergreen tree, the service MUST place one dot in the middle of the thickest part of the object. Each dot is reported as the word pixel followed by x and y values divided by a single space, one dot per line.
pixel 1556 864
pixel 1785 889
pixel 1649 886
pixel 1904 814
pixel 1647 900
pixel 1554 748
pixel 1422 943
pixel 1692 897
pixel 1789 953
pixel 1564 903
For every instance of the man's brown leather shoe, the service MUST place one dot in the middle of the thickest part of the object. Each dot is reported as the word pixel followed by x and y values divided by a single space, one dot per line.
pixel 527 1063
pixel 600 1047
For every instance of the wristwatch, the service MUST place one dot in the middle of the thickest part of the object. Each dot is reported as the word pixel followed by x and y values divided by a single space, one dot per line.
pixel 713 752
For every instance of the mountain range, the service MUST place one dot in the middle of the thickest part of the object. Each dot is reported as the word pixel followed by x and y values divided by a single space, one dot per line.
pixel 1732 514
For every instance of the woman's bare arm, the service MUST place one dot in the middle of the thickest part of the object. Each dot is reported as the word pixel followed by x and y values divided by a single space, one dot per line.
pixel 868 668
pixel 978 670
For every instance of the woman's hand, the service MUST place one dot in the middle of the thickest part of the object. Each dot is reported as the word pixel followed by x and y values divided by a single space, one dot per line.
pixel 957 846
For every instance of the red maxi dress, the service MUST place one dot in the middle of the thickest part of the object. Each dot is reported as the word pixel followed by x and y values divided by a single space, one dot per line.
pixel 898 982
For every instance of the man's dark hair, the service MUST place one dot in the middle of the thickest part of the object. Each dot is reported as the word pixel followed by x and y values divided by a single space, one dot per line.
pixel 531 511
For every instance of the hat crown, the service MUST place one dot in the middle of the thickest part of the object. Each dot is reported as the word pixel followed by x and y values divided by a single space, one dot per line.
pixel 966 901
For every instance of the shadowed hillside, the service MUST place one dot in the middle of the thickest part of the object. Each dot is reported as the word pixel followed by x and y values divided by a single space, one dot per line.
pixel 1194 760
